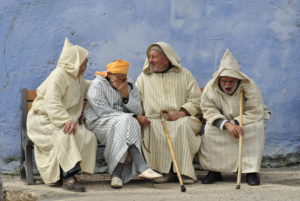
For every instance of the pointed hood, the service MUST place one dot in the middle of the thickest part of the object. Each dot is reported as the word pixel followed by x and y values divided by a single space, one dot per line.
pixel 229 67
pixel 169 52
pixel 71 58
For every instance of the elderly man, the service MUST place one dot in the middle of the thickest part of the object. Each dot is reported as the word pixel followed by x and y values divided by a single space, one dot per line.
pixel 113 103
pixel 63 147
pixel 220 106
pixel 165 85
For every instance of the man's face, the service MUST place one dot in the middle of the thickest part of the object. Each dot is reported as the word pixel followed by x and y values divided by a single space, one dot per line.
pixel 116 79
pixel 83 66
pixel 158 61
pixel 228 84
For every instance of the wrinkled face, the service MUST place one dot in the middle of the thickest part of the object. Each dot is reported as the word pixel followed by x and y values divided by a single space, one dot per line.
pixel 158 61
pixel 116 79
pixel 228 84
pixel 83 66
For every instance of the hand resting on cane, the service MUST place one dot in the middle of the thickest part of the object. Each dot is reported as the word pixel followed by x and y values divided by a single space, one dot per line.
pixel 234 130
pixel 173 116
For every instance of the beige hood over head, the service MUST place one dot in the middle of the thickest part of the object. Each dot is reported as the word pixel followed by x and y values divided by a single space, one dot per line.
pixel 170 54
pixel 229 67
pixel 71 58
pixel 215 100
pixel 54 95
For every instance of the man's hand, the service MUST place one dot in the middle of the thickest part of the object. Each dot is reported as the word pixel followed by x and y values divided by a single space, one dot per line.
pixel 173 116
pixel 70 127
pixel 234 130
pixel 143 121
pixel 121 86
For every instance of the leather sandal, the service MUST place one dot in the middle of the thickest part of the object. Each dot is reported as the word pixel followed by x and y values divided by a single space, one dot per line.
pixel 149 174
pixel 73 184
pixel 116 182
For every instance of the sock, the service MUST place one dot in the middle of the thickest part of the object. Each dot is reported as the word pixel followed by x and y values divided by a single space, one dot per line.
pixel 118 171
pixel 138 158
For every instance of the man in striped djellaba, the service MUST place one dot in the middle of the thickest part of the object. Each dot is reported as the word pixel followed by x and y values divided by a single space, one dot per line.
pixel 113 104
pixel 165 85
pixel 221 108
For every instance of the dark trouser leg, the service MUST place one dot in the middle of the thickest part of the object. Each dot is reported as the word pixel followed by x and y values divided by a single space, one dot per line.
pixel 118 171
pixel 70 182
pixel 138 158
pixel 71 173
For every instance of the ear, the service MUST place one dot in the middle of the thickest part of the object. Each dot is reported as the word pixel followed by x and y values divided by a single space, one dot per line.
pixel 167 61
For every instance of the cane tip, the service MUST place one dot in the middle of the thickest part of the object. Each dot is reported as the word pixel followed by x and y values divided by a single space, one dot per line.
pixel 183 189
pixel 238 186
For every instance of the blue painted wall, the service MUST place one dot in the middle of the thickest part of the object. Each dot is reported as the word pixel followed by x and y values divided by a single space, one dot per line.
pixel 263 35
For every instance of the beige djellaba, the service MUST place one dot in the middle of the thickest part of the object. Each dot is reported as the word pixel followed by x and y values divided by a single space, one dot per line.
pixel 171 90
pixel 219 149
pixel 60 99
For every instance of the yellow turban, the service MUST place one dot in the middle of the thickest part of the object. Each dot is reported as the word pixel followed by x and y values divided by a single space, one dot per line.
pixel 118 66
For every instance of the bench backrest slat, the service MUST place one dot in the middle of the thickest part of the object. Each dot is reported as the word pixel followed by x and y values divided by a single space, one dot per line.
pixel 31 95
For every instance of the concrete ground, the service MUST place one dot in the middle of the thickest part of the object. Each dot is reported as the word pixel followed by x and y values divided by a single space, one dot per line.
pixel 277 184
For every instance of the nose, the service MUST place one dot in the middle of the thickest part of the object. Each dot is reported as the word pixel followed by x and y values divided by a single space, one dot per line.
pixel 227 84
pixel 150 59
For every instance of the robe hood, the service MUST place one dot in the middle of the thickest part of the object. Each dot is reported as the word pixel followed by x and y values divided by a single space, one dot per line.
pixel 170 54
pixel 229 67
pixel 71 58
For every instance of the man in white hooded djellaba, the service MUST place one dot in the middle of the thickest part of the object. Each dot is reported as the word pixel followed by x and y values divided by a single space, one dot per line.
pixel 221 108
pixel 113 104
pixel 62 146
pixel 165 85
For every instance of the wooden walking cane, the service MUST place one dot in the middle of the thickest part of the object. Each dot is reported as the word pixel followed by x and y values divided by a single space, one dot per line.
pixel 238 182
pixel 163 114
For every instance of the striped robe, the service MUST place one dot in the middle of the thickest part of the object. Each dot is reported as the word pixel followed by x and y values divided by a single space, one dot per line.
pixel 172 90
pixel 113 123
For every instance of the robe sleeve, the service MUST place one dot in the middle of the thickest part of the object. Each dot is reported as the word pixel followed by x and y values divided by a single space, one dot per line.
pixel 194 93
pixel 53 106
pixel 210 110
pixel 140 88
pixel 134 103
pixel 253 104
pixel 139 85
pixel 98 101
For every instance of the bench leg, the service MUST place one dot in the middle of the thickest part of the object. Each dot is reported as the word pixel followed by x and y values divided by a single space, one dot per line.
pixel 22 164
pixel 29 165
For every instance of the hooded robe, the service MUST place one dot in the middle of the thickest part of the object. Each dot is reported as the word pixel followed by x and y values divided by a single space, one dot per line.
pixel 60 99
pixel 171 90
pixel 219 149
